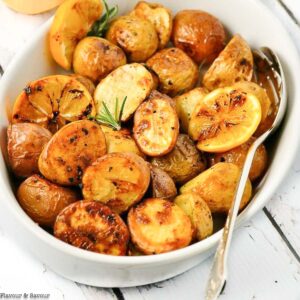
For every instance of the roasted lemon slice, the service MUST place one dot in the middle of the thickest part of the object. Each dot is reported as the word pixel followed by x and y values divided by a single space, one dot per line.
pixel 224 119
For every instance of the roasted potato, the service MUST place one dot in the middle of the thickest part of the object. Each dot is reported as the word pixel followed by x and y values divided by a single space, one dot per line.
pixel 92 226
pixel 73 148
pixel 177 73
pixel 184 162
pixel 158 226
pixel 163 185
pixel 118 180
pixel 43 200
pixel 238 155
pixel 185 105
pixel 135 35
pixel 217 185
pixel 198 211
pixel 234 64
pixel 86 82
pixel 133 81
pixel 73 19
pixel 52 102
pixel 156 126
pixel 25 143
pixel 159 16
pixel 199 34
pixel 96 57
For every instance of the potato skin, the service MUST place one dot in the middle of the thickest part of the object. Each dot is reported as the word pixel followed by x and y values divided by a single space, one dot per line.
pixel 92 226
pixel 135 35
pixel 70 151
pixel 86 82
pixel 43 200
pixel 217 185
pixel 176 71
pixel 25 142
pixel 118 180
pixel 184 162
pixel 159 226
pixel 199 34
pixel 95 57
pixel 238 155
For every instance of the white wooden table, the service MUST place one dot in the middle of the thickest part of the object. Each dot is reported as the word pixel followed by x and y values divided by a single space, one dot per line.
pixel 265 257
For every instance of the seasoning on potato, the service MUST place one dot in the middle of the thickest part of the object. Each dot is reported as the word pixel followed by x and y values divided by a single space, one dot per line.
pixel 96 57
pixel 70 151
pixel 158 226
pixel 86 82
pixel 92 226
pixel 234 64
pixel 25 143
pixel 43 200
pixel 199 34
pixel 176 71
pixel 184 162
pixel 118 180
pixel 135 35
pixel 156 126
pixel 217 185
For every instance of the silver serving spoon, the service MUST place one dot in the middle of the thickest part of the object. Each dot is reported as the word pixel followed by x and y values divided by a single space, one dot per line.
pixel 267 63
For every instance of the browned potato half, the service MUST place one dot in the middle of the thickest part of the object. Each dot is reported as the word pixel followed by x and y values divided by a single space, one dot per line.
pixel 156 126
pixel 25 143
pixel 159 16
pixel 120 141
pixel 185 105
pixel 158 226
pixel 176 71
pixel 199 34
pixel 238 155
pixel 135 35
pixel 184 162
pixel 73 148
pixel 52 102
pixel 198 211
pixel 96 57
pixel 234 64
pixel 217 185
pixel 86 82
pixel 118 180
pixel 163 185
pixel 92 226
pixel 43 200
pixel 133 81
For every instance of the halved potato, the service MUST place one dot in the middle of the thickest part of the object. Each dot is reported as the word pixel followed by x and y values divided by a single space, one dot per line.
pixel 234 63
pixel 25 143
pixel 176 71
pixel 158 226
pixel 135 35
pixel 43 200
pixel 217 185
pixel 70 151
pixel 86 82
pixel 96 57
pixel 92 226
pixel 185 105
pixel 118 180
pixel 72 21
pixel 52 102
pixel 238 155
pixel 184 162
pixel 159 16
pixel 133 81
pixel 198 211
pixel 224 119
pixel 156 126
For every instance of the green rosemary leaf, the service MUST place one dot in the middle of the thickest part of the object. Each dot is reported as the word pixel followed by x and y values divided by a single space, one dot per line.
pixel 122 108
pixel 116 109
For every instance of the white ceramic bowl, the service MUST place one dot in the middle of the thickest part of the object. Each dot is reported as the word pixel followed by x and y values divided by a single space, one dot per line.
pixel 260 28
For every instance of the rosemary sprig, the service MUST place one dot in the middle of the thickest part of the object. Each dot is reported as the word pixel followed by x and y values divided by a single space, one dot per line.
pixel 106 117
pixel 100 26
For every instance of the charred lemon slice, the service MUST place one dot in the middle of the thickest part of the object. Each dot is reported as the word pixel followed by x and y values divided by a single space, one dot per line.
pixel 72 21
pixel 224 119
